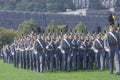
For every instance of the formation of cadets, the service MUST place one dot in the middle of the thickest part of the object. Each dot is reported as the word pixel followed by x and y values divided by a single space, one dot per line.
pixel 66 52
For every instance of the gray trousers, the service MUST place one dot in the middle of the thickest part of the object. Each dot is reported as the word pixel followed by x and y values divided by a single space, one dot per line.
pixel 41 58
pixel 114 52
pixel 99 58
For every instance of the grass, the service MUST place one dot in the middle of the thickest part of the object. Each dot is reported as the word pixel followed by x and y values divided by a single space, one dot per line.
pixel 8 72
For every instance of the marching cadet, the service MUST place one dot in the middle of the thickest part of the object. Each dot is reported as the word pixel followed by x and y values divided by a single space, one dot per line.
pixel 106 58
pixel 65 50
pixel 53 38
pixel 39 47
pixel 31 52
pixel 83 51
pixel 12 50
pixel 26 45
pixel 112 45
pixel 57 53
pixel 8 52
pixel 103 38
pixel 98 47
pixel 50 52
pixel 21 54
pixel 60 55
pixel 46 62
pixel 16 55
pixel 87 47
pixel 74 51
pixel 3 53
pixel 69 55
pixel 90 52
pixel 79 58
pixel 34 53
pixel 44 55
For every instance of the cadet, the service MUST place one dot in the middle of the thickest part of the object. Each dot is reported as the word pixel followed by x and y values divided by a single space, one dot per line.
pixel 16 55
pixel 83 51
pixel 50 52
pixel 106 61
pixel 34 37
pixel 79 53
pixel 112 46
pixel 12 50
pixel 39 47
pixel 65 50
pixel 3 53
pixel 30 48
pixel 22 53
pixel 57 53
pixel 74 51
pixel 26 44
pixel 90 52
pixel 8 52
pixel 98 47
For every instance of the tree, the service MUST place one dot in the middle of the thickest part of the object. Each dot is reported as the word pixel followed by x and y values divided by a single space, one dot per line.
pixel 50 5
pixel 59 5
pixel 22 5
pixel 52 27
pixel 6 36
pixel 62 29
pixel 80 28
pixel 27 26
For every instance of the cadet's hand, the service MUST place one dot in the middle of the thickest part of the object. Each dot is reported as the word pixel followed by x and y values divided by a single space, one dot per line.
pixel 105 37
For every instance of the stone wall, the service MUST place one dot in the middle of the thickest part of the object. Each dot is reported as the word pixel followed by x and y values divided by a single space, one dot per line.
pixel 11 19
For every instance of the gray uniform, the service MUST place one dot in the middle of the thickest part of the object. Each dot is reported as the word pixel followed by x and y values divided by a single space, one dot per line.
pixel 66 54
pixel 74 47
pixel 57 55
pixel 39 47
pixel 113 42
pixel 99 54
pixel 50 53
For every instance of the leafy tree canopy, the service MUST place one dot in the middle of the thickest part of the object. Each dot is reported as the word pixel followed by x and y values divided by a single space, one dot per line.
pixel 28 26
pixel 80 28
pixel 6 36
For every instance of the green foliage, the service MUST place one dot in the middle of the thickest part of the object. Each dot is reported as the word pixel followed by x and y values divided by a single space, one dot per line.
pixel 116 24
pixel 105 29
pixel 37 5
pixel 47 5
pixel 59 5
pixel 54 28
pixel 28 26
pixel 62 29
pixel 6 36
pixel 80 28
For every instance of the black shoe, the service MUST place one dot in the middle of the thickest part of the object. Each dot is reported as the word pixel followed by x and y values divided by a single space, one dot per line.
pixel 118 73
